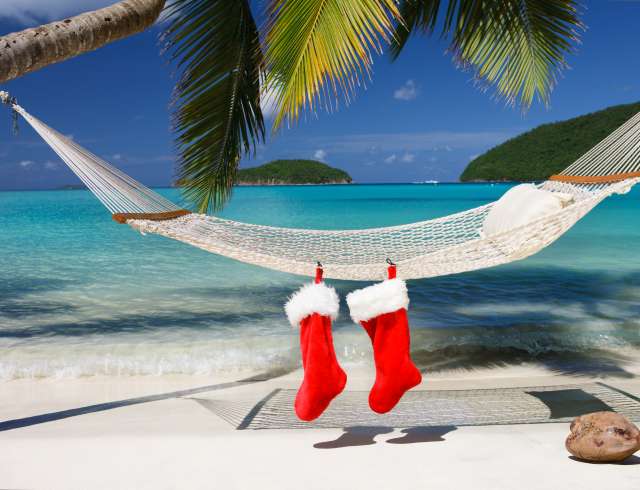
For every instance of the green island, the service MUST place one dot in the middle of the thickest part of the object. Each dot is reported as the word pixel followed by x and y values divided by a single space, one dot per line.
pixel 292 172
pixel 547 149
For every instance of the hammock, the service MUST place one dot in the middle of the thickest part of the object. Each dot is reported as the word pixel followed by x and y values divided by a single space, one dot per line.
pixel 438 247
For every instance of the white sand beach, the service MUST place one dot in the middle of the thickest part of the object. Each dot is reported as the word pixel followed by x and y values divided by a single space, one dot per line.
pixel 180 442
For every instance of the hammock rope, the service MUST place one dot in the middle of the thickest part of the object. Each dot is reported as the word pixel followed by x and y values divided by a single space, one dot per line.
pixel 118 192
pixel 447 245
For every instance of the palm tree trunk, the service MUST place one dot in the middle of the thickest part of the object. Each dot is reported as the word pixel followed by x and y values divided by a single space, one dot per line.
pixel 29 50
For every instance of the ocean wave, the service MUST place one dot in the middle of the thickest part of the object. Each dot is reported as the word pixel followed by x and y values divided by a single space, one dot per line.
pixel 432 349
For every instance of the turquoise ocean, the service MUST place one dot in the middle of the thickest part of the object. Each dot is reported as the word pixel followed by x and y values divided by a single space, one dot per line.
pixel 83 296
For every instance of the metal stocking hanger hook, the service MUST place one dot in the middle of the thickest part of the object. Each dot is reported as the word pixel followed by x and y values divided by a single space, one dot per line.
pixel 391 270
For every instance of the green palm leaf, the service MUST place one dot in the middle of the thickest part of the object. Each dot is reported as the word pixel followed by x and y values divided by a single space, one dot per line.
pixel 216 46
pixel 419 15
pixel 317 49
pixel 519 46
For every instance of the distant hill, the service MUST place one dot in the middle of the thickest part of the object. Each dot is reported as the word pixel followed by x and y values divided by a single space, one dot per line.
pixel 292 172
pixel 547 149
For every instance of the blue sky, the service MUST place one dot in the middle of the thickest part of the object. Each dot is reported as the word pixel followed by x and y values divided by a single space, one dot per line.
pixel 418 119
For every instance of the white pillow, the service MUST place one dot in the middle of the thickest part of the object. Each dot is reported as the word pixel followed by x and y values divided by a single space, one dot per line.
pixel 520 205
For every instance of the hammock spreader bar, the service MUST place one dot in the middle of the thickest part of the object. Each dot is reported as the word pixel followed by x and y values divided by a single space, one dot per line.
pixel 122 218
pixel 447 245
pixel 594 179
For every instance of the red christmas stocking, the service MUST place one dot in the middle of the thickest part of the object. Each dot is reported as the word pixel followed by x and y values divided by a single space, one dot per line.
pixel 382 310
pixel 313 308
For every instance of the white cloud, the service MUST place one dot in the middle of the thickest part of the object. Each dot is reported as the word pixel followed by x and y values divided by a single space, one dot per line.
pixel 391 158
pixel 320 155
pixel 408 91
pixel 410 142
pixel 408 157
pixel 141 159
pixel 49 164
pixel 473 157
pixel 268 102
pixel 32 12
pixel 442 148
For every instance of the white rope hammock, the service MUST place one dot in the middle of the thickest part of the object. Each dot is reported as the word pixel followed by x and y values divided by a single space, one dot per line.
pixel 447 245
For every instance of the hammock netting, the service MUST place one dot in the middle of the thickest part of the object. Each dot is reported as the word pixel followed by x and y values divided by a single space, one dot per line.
pixel 438 247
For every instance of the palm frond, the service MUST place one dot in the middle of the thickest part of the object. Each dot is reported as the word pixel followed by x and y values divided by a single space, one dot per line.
pixel 317 49
pixel 519 46
pixel 216 46
pixel 419 15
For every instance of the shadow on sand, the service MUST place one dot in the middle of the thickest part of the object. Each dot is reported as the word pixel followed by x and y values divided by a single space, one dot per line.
pixel 630 461
pixel 365 436
pixel 601 363
pixel 101 407
pixel 414 435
